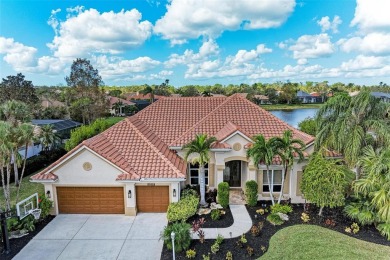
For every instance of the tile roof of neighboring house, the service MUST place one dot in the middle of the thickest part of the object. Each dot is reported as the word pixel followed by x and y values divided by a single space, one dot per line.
pixel 113 100
pixel 139 145
pixel 315 94
pixel 261 97
pixel 47 102
pixel 137 95
pixel 301 93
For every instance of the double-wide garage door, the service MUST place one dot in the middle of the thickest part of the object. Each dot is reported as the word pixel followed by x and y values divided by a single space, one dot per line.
pixel 91 200
pixel 152 198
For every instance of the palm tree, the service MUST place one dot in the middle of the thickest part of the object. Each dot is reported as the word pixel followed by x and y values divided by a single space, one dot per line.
pixel 5 161
pixel 200 147
pixel 48 137
pixel 28 133
pixel 117 106
pixel 149 90
pixel 347 125
pixel 286 147
pixel 262 151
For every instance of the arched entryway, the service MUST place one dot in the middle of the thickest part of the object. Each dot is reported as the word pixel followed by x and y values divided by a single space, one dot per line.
pixel 232 173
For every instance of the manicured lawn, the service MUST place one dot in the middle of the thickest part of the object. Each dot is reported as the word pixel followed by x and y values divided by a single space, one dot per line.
pixel 314 242
pixel 114 120
pixel 286 107
pixel 28 188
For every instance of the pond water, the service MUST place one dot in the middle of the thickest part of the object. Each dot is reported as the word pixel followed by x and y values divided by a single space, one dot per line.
pixel 294 116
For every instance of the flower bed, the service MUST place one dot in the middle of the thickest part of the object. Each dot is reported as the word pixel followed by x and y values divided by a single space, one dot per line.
pixel 225 220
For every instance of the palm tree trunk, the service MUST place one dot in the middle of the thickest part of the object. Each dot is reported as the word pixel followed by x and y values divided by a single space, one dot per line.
pixel 283 178
pixel 202 185
pixel 320 213
pixel 16 171
pixel 4 186
pixel 21 175
pixel 8 201
pixel 270 187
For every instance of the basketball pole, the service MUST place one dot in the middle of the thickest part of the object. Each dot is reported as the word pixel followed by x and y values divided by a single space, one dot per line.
pixel 4 231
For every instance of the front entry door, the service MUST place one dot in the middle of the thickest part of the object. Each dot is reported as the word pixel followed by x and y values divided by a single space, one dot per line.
pixel 232 173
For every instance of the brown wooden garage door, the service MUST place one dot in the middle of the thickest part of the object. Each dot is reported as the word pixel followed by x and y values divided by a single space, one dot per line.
pixel 90 200
pixel 152 198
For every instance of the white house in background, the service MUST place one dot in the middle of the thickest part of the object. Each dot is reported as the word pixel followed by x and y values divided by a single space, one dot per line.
pixel 115 100
pixel 137 165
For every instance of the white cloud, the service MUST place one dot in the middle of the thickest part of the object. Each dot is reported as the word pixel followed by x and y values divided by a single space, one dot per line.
pixel 89 31
pixel 362 62
pixel 327 25
pixel 19 56
pixel 244 56
pixel 190 19
pixel 373 43
pixel 372 15
pixel 312 46
pixel 110 67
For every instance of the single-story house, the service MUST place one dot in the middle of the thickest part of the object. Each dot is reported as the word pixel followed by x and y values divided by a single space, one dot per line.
pixel 385 97
pixel 308 98
pixel 47 102
pixel 120 109
pixel 261 99
pixel 137 165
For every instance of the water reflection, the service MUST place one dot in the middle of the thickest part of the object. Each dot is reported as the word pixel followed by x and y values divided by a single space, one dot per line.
pixel 294 116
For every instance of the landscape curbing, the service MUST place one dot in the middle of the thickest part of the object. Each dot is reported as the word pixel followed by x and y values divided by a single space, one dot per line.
pixel 242 224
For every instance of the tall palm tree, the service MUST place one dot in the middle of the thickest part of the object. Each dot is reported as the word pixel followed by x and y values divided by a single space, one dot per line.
pixel 347 125
pixel 149 90
pixel 200 148
pixel 48 138
pixel 287 148
pixel 5 161
pixel 28 133
pixel 262 151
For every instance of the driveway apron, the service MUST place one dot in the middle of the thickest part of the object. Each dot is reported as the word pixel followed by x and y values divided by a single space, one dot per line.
pixel 98 237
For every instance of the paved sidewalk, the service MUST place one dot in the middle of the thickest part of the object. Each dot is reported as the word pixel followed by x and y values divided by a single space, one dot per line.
pixel 242 224
pixel 98 237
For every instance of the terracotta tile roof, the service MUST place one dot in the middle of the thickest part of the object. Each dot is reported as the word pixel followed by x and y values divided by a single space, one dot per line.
pixel 252 119
pixel 137 95
pixel 261 97
pixel 113 100
pixel 48 176
pixel 218 145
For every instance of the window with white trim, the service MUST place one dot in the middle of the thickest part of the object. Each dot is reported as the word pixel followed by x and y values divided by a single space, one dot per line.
pixel 277 180
pixel 194 173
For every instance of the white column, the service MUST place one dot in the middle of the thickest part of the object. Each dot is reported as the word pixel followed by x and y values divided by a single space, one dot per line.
pixel 175 187
pixel 130 202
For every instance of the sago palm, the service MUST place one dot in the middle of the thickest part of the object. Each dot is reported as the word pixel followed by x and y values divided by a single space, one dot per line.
pixel 262 152
pixel 200 149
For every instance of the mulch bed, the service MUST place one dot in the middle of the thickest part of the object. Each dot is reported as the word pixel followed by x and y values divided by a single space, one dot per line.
pixel 366 233
pixel 17 244
pixel 225 220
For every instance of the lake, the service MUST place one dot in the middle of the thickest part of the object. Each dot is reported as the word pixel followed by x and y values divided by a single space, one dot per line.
pixel 294 116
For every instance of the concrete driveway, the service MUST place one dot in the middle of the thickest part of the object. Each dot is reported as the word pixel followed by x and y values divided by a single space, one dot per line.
pixel 98 237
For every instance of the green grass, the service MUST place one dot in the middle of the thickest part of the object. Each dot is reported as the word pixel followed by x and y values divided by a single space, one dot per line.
pixel 286 107
pixel 314 242
pixel 114 120
pixel 28 188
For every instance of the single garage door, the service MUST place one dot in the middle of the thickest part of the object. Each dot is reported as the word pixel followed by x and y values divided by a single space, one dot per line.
pixel 90 200
pixel 152 198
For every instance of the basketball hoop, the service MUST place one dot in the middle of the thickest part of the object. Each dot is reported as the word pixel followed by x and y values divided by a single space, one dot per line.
pixel 36 213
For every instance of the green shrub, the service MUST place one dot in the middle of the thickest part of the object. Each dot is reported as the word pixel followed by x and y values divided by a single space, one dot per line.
pixel 384 228
pixel 219 239
pixel 215 214
pixel 251 193
pixel 223 194
pixel 229 255
pixel 189 192
pixel 12 224
pixel 215 248
pixel 182 236
pixel 27 223
pixel 45 205
pixel 190 253
pixel 182 210
pixel 274 219
pixel 279 208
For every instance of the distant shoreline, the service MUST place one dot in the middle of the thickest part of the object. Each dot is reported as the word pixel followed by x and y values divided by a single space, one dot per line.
pixel 289 107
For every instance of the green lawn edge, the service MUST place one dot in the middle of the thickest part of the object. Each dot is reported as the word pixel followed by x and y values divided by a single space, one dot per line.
pixel 289 107
pixel 314 242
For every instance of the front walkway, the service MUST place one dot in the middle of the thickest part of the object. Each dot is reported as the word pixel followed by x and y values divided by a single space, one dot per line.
pixel 242 224
pixel 98 237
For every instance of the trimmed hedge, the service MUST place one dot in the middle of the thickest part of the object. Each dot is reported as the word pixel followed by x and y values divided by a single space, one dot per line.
pixel 251 193
pixel 279 208
pixel 223 194
pixel 182 236
pixel 184 209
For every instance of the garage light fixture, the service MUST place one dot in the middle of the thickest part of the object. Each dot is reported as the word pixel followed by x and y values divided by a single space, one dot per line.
pixel 174 192
pixel 48 195
pixel 129 194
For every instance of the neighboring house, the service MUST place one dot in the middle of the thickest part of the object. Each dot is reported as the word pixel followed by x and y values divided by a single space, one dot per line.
pixel 137 165
pixel 385 97
pixel 118 110
pixel 261 99
pixel 139 96
pixel 47 102
pixel 62 127
pixel 305 98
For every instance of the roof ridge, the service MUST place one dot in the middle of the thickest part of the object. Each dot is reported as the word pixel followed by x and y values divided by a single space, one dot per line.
pixel 155 149
pixel 278 119
pixel 205 117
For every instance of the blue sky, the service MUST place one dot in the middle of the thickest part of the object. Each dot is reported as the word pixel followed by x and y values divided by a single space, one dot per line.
pixel 198 41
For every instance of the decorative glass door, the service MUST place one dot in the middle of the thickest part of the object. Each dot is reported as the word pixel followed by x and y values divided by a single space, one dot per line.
pixel 232 173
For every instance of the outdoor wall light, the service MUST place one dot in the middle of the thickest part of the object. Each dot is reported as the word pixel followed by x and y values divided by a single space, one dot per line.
pixel 48 195
pixel 174 192
pixel 129 194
